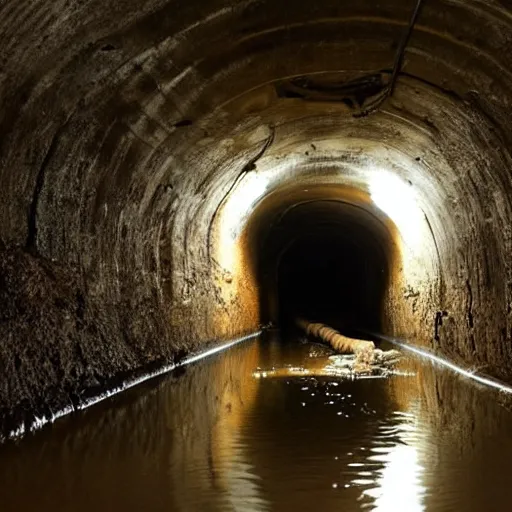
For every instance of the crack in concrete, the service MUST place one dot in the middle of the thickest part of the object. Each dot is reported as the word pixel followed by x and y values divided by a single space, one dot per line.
pixel 470 305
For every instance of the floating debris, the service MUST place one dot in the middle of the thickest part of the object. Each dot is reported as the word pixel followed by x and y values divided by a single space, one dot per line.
pixel 357 357
pixel 382 364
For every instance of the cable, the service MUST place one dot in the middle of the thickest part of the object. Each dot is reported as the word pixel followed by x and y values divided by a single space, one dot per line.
pixel 397 65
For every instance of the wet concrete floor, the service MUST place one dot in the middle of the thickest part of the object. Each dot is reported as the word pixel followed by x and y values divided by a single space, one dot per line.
pixel 222 436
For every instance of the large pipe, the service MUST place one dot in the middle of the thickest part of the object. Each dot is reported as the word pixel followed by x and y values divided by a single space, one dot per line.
pixel 336 340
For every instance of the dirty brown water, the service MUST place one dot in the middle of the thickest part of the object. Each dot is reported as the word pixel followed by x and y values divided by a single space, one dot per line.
pixel 222 436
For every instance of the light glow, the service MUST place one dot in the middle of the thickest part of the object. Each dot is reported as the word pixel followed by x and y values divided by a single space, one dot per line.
pixel 401 477
pixel 241 202
pixel 239 205
pixel 398 200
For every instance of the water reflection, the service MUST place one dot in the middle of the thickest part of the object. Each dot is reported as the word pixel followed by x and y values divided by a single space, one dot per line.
pixel 218 439
pixel 402 474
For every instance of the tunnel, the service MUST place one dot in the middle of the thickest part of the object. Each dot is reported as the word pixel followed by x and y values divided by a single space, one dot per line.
pixel 177 173
pixel 327 256
pixel 329 276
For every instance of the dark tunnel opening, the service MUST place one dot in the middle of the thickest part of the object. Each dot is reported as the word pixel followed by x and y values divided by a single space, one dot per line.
pixel 328 260
pixel 334 278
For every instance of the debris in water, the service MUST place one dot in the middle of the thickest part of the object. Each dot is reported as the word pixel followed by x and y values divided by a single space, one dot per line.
pixel 342 366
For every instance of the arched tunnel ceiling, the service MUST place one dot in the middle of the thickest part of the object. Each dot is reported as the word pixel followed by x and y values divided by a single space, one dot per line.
pixel 127 129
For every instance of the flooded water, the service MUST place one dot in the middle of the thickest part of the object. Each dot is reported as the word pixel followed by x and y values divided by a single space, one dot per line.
pixel 227 436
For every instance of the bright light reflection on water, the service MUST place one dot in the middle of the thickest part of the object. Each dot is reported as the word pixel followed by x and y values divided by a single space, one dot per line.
pixel 402 472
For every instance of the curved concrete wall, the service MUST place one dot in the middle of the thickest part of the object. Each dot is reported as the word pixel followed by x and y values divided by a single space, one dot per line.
pixel 128 130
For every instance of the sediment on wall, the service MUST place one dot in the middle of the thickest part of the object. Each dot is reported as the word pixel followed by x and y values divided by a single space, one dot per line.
pixel 59 345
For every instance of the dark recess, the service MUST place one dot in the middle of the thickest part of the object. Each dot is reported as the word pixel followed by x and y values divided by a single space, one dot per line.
pixel 333 279
pixel 326 261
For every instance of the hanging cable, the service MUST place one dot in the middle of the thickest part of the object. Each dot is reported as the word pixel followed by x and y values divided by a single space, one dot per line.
pixel 397 65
